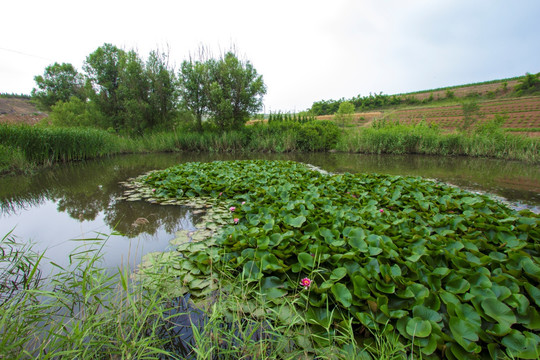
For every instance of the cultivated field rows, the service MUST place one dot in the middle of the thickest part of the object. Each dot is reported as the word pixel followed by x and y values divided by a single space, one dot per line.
pixel 520 112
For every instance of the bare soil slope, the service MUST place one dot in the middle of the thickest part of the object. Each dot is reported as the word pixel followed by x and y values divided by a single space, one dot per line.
pixel 496 88
pixel 19 110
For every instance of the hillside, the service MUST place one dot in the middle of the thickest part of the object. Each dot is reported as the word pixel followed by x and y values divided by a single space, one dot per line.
pixel 522 114
pixel 14 110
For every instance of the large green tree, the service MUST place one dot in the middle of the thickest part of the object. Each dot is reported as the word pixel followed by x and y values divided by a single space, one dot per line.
pixel 163 95
pixel 135 96
pixel 58 83
pixel 235 91
pixel 103 68
pixel 193 83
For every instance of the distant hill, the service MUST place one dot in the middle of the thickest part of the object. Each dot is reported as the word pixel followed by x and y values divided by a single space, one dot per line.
pixel 494 88
pixel 14 110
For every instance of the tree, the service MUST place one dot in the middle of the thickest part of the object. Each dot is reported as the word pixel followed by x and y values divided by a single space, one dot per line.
pixel 193 83
pixel 235 91
pixel 528 85
pixel 59 83
pixel 134 96
pixel 103 68
pixel 471 114
pixel 163 96
pixel 345 113
pixel 133 93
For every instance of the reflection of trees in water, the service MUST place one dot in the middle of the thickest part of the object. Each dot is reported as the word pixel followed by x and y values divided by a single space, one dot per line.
pixel 84 190
pixel 132 218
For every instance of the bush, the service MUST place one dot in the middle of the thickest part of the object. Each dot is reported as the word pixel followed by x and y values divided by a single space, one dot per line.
pixel 318 136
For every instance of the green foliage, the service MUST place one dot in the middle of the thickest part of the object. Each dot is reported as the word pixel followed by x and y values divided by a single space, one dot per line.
pixel 530 84
pixel 83 312
pixel 11 159
pixel 60 82
pixel 49 145
pixel 345 113
pixel 492 127
pixel 163 93
pixel 373 101
pixel 443 268
pixel 471 114
pixel 14 96
pixel 123 93
pixel 192 79
pixel 317 136
pixel 76 113
pixel 234 92
pixel 387 137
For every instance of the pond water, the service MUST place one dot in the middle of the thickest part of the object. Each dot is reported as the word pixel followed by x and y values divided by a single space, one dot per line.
pixel 78 201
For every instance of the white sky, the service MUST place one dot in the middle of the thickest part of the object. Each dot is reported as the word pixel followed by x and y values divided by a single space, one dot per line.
pixel 306 50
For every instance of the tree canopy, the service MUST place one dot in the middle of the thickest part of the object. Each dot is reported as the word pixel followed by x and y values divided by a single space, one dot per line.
pixel 58 83
pixel 121 92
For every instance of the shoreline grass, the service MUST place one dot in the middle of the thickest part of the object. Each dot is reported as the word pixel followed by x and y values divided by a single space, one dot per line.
pixel 85 311
pixel 24 148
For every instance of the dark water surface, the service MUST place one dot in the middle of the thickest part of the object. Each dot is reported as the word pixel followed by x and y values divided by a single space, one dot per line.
pixel 78 201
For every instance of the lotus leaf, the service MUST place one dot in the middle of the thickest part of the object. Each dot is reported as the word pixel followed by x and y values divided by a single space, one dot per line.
pixel 451 269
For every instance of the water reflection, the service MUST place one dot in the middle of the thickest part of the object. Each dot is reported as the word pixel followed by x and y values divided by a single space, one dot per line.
pixel 79 199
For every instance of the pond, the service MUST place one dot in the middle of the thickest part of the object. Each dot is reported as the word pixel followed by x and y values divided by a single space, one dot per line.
pixel 77 201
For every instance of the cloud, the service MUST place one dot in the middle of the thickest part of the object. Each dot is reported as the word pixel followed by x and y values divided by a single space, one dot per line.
pixel 305 50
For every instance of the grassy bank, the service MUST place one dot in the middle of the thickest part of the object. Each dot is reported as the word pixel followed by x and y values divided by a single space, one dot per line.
pixel 81 312
pixel 25 147
pixel 392 138
pixel 87 312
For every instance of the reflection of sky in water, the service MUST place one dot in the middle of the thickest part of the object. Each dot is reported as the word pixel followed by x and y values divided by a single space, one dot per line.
pixel 53 232
pixel 47 208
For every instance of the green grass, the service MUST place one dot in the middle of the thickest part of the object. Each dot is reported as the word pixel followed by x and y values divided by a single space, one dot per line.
pixel 393 138
pixel 25 147
pixel 533 129
pixel 86 312
pixel 81 312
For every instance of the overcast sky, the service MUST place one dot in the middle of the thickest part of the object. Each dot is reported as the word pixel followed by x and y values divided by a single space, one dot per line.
pixel 305 50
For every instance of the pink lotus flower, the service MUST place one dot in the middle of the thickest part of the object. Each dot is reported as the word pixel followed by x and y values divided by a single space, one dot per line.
pixel 305 282
pixel 243 202
pixel 220 193
pixel 381 211
pixel 153 190
pixel 236 220
pixel 232 208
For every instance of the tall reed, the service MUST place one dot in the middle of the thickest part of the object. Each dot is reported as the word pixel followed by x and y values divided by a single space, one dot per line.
pixel 81 312
pixel 49 145
pixel 394 138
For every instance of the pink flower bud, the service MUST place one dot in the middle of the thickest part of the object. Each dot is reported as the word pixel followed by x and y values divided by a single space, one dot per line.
pixel 236 220
pixel 232 208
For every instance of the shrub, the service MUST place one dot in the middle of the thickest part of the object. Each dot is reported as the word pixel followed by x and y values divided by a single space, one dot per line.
pixel 317 136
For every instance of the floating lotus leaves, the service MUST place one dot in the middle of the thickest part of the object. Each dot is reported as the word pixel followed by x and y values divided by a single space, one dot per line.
pixel 454 272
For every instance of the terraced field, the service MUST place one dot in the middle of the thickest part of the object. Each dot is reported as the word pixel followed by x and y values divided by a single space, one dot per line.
pixel 521 113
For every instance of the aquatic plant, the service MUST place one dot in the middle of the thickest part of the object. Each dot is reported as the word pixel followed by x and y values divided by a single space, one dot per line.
pixel 452 273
